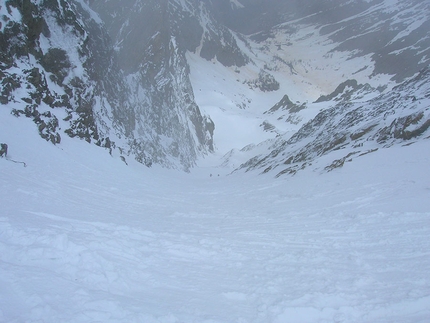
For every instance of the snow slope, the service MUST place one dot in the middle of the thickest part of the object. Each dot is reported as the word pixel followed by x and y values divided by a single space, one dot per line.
pixel 378 44
pixel 84 238
pixel 305 67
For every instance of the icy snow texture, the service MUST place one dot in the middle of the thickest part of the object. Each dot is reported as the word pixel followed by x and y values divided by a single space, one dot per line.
pixel 84 238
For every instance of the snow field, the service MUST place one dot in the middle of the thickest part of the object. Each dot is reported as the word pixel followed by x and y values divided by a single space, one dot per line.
pixel 84 238
pixel 295 60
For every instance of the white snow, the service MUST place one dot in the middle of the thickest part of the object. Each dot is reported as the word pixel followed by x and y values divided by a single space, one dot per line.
pixel 84 238
pixel 236 110
pixel 14 15
pixel 235 4
pixel 303 62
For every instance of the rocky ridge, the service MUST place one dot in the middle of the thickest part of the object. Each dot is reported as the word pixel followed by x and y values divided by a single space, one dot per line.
pixel 60 68
pixel 56 69
pixel 120 78
pixel 351 129
pixel 151 40
pixel 368 53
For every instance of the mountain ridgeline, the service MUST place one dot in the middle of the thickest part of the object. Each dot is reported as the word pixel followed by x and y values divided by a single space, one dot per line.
pixel 129 92
pixel 118 75
pixel 351 129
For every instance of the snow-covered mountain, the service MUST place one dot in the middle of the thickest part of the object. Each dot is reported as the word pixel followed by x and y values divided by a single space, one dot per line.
pixel 335 93
pixel 151 39
pixel 169 82
pixel 353 128
pixel 85 238
pixel 60 68
pixel 394 34
pixel 321 53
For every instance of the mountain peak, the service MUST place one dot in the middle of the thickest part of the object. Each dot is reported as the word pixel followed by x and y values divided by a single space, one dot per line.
pixel 137 78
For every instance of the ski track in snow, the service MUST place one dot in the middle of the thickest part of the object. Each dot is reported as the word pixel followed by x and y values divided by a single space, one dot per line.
pixel 83 238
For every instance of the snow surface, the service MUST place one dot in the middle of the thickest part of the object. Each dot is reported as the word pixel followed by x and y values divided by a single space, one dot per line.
pixel 84 238
pixel 235 109
pixel 11 13
pixel 303 62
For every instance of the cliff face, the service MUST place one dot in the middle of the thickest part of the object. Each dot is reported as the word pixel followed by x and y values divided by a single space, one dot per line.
pixel 131 95
pixel 118 76
pixel 58 68
pixel 151 39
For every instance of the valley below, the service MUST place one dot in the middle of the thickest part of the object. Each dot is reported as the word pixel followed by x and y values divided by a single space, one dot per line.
pixel 190 161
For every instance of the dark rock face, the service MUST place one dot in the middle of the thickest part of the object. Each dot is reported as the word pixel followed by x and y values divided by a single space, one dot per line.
pixel 287 105
pixel 57 62
pixel 19 40
pixel 347 91
pixel 214 47
pixel 137 99
pixel 265 82
pixel 365 27
pixel 138 25
pixel 32 37
pixel 122 81
pixel 381 34
pixel 152 38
